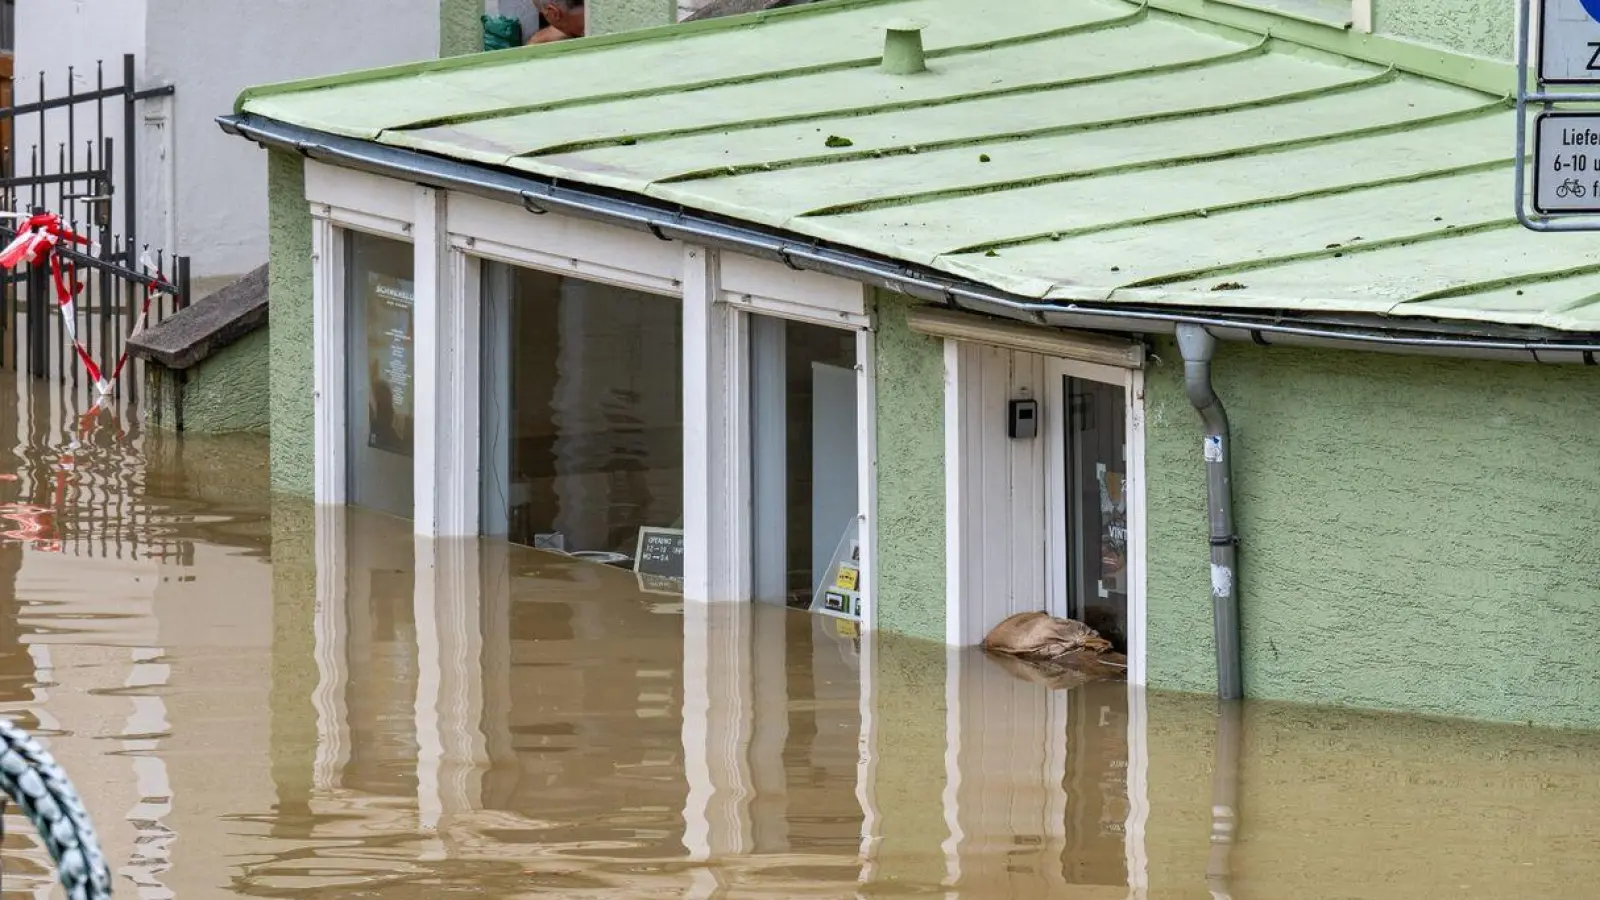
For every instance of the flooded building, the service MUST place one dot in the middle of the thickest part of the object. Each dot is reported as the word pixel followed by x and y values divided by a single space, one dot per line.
pixel 320 705
pixel 1140 314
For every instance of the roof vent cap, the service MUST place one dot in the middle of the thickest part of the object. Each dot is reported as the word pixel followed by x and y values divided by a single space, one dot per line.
pixel 902 47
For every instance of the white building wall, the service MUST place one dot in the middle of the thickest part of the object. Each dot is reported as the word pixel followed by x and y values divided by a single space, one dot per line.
pixel 212 51
pixel 203 193
pixel 55 36
pixel 52 36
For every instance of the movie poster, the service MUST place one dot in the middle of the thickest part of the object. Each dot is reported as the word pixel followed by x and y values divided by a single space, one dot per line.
pixel 1113 531
pixel 389 371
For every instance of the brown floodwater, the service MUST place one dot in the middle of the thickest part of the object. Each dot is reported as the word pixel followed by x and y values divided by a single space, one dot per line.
pixel 260 699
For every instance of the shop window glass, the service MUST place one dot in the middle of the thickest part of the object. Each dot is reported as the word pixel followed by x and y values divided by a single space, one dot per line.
pixel 1097 507
pixel 379 372
pixel 582 413
pixel 803 464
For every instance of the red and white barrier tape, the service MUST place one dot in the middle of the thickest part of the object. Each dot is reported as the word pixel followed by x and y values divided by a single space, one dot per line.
pixel 38 237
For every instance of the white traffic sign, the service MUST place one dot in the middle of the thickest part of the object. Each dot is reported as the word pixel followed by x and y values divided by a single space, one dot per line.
pixel 1569 42
pixel 1566 152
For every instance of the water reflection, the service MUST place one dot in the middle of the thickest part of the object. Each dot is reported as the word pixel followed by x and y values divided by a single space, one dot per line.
pixel 503 718
pixel 259 698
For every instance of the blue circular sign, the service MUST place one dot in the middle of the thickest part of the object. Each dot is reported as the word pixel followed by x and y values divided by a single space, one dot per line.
pixel 1592 7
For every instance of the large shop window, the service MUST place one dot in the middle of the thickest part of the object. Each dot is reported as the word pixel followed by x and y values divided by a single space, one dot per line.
pixel 379 324
pixel 582 413
pixel 804 463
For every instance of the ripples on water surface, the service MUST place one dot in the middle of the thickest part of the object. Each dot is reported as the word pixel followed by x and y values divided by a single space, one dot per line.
pixel 260 700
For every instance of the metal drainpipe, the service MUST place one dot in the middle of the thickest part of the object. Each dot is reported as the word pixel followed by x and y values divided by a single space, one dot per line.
pixel 1197 347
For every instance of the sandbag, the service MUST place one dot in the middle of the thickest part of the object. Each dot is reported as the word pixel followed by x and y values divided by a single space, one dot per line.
pixel 1041 635
pixel 1059 653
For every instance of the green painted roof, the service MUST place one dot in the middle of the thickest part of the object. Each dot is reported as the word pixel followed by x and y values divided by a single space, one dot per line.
pixel 1085 150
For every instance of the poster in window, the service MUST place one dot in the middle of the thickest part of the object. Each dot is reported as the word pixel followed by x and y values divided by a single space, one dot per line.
pixel 389 372
pixel 1113 531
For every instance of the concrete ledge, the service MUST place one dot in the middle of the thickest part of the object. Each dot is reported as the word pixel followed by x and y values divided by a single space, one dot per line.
pixel 191 335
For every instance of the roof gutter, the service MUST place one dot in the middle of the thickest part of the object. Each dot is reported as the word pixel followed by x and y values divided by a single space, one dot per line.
pixel 540 196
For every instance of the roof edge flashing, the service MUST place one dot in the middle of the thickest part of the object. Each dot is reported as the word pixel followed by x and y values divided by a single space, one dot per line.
pixel 903 278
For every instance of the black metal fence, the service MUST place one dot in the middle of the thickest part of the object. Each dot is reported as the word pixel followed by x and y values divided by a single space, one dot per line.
pixel 62 157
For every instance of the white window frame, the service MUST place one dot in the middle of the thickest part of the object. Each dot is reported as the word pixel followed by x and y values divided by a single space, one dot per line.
pixel 722 291
pixel 433 333
pixel 716 457
pixel 359 195
pixel 330 308
pixel 1088 356
pixel 343 201
pixel 461 461
pixel 565 245
pixel 766 288
pixel 451 233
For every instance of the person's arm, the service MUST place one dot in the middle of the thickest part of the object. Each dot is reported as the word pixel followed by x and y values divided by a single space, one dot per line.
pixel 547 34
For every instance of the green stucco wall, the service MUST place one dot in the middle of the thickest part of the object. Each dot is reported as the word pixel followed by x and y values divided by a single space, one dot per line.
pixel 1418 534
pixel 910 437
pixel 162 395
pixel 1478 27
pixel 291 335
pixel 227 393
pixel 460 27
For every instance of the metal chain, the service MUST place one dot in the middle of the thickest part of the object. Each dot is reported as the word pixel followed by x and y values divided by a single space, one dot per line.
pixel 30 775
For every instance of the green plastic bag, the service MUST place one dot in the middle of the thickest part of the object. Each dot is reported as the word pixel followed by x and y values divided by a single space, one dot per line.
pixel 501 32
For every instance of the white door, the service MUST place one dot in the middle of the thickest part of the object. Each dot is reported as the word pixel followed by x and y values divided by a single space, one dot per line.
pixel 1050 522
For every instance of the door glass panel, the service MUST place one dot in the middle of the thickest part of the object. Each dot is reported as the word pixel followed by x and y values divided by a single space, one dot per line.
pixel 803 456
pixel 1097 507
pixel 582 413
pixel 379 374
